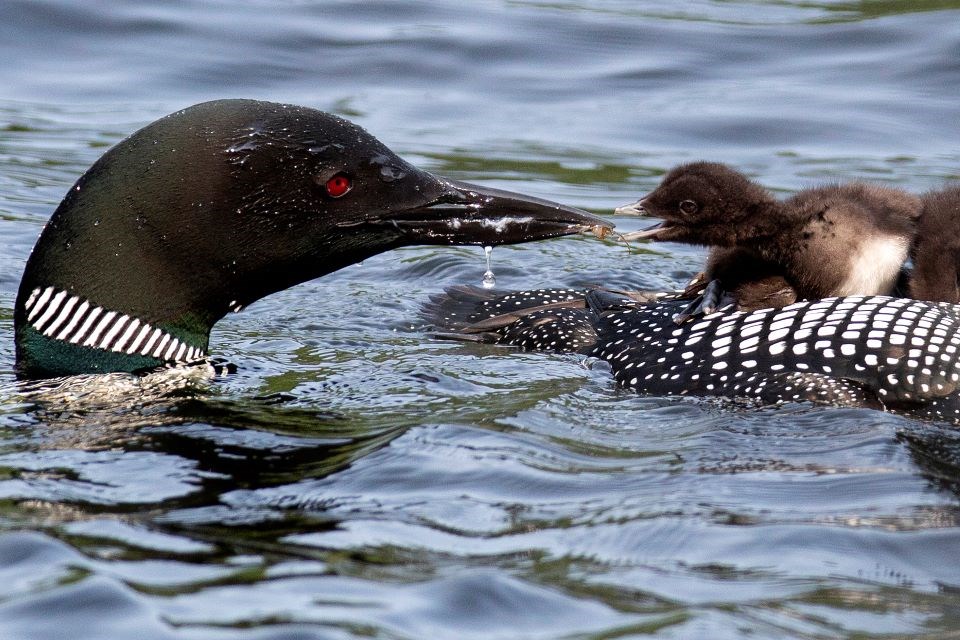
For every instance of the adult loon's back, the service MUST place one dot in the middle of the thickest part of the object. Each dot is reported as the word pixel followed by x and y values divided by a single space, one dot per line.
pixel 213 207
pixel 877 351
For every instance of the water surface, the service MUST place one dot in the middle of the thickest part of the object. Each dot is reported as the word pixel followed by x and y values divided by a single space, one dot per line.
pixel 357 478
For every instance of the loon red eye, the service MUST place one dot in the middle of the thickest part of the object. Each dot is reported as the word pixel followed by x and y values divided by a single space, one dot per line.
pixel 338 185
pixel 688 207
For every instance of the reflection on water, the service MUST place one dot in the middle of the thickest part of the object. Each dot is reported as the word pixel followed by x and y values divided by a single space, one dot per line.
pixel 358 478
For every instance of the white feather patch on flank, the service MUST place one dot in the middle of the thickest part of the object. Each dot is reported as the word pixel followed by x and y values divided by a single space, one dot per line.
pixel 874 267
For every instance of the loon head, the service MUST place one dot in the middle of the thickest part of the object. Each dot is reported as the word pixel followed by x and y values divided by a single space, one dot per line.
pixel 211 208
pixel 704 203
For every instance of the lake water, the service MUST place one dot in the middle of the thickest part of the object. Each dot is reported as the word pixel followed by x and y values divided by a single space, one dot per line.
pixel 357 478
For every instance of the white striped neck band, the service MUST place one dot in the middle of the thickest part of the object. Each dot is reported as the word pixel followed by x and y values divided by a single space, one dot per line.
pixel 61 316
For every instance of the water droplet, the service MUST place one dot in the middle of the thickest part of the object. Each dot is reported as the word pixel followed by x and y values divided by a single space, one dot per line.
pixel 489 280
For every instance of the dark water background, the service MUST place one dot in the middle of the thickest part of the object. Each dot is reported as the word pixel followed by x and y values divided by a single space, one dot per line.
pixel 359 479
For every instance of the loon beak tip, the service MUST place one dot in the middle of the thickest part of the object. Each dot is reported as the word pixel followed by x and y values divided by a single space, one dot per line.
pixel 632 209
pixel 472 214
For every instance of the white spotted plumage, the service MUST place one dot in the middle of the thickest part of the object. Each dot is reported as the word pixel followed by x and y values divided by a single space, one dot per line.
pixel 849 364
pixel 857 350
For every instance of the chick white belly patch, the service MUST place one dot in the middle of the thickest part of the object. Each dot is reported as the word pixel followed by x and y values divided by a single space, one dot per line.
pixel 874 267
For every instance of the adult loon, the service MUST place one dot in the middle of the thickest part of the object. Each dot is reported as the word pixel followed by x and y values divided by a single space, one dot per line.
pixel 213 207
pixel 936 250
pixel 834 240
pixel 875 351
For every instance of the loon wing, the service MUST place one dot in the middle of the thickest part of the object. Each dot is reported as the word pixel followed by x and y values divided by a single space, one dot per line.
pixel 555 320
pixel 855 350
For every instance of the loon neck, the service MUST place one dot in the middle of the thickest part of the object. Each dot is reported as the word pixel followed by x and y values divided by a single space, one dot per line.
pixel 65 333
pixel 101 324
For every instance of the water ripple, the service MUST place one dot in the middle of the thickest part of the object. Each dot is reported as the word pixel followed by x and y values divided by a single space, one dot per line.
pixel 358 478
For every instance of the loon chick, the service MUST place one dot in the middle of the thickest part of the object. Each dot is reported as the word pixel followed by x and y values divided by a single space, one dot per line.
pixel 873 351
pixel 737 277
pixel 936 250
pixel 833 240
pixel 213 207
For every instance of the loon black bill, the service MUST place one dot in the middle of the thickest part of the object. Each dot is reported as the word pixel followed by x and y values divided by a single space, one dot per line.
pixel 472 214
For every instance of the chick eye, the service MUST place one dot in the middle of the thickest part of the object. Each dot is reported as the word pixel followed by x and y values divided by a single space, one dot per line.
pixel 338 186
pixel 688 207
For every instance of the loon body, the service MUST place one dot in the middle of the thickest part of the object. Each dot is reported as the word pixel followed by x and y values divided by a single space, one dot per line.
pixel 849 350
pixel 936 250
pixel 211 208
pixel 835 240
pixel 874 351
